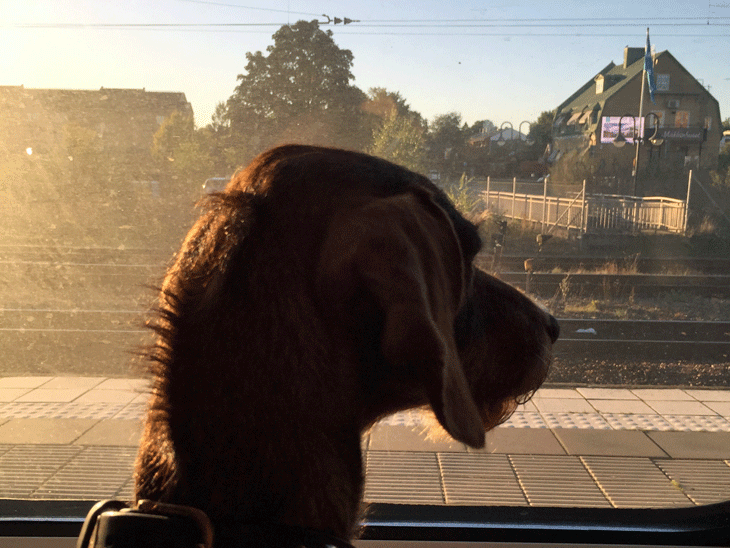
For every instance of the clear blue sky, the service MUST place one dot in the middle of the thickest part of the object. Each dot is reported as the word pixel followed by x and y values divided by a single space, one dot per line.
pixel 524 57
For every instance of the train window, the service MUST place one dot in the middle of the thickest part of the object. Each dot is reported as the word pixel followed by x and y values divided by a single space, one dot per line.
pixel 587 141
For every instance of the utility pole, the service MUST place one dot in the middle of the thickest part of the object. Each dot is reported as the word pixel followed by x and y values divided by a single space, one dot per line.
pixel 639 138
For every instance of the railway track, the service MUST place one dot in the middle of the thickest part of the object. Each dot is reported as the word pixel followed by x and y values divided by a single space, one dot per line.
pixel 612 286
pixel 102 341
pixel 644 340
pixel 98 271
pixel 77 310
pixel 642 265
pixel 44 254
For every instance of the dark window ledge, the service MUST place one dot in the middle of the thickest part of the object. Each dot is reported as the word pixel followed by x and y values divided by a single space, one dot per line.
pixel 694 526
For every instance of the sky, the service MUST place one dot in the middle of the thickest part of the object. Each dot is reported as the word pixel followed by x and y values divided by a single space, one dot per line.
pixel 505 61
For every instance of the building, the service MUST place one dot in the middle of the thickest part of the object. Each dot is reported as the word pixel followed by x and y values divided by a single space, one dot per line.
pixel 116 125
pixel 500 136
pixel 586 123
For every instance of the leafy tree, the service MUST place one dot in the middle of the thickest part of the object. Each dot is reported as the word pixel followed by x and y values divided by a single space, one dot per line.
pixel 300 91
pixel 174 130
pixel 446 141
pixel 400 138
pixel 721 176
pixel 445 131
pixel 182 152
pixel 541 131
pixel 398 133
pixel 381 103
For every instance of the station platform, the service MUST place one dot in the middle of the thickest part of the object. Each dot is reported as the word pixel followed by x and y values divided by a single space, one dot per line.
pixel 75 438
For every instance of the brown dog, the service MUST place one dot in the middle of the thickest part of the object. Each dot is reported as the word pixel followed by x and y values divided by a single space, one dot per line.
pixel 320 292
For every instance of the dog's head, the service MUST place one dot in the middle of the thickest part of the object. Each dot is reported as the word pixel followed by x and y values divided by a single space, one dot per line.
pixel 321 291
pixel 395 277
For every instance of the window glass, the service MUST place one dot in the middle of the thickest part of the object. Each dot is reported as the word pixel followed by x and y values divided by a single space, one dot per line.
pixel 115 118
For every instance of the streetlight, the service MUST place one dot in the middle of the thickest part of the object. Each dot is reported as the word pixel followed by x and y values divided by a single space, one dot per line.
pixel 654 140
pixel 620 140
pixel 501 141
pixel 528 141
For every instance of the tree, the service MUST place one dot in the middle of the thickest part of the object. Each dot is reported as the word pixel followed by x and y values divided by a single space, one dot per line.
pixel 446 141
pixel 721 176
pixel 300 91
pixel 398 133
pixel 183 152
pixel 174 130
pixel 400 138
pixel 541 131
pixel 381 103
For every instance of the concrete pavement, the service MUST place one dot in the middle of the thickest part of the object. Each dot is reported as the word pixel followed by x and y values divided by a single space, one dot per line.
pixel 76 437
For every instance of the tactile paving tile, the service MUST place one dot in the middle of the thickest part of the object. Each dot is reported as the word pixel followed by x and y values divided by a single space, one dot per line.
pixel 72 410
pixel 703 481
pixel 127 490
pixel 698 423
pixel 404 418
pixel 477 479
pixel 592 421
pixel 634 482
pixel 637 422
pixel 26 467
pixel 403 477
pixel 549 480
pixel 524 419
pixel 93 474
pixel 133 411
pixel 589 421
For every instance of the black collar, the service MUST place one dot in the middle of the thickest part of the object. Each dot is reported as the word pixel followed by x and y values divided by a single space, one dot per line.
pixel 152 524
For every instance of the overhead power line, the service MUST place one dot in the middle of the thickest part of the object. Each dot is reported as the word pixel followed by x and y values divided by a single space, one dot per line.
pixel 206 2
pixel 141 25
pixel 543 19
pixel 455 24
pixel 536 25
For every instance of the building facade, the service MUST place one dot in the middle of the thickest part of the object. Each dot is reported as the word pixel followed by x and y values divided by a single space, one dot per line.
pixel 116 125
pixel 679 131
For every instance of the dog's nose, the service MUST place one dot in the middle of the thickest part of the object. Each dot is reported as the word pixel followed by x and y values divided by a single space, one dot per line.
pixel 553 328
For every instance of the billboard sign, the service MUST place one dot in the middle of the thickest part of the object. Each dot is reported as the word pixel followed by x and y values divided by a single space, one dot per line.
pixel 630 127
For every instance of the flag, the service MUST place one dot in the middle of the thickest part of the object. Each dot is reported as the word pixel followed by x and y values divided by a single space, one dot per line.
pixel 649 68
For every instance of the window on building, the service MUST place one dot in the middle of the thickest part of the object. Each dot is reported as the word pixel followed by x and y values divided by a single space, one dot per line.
pixel 662 82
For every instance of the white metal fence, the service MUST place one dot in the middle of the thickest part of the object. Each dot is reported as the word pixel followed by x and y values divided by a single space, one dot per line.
pixel 590 212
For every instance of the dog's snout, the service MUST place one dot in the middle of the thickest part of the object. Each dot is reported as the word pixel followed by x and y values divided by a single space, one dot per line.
pixel 553 328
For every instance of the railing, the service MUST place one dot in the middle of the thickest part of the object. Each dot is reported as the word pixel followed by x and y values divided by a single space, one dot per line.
pixel 590 212
pixel 630 213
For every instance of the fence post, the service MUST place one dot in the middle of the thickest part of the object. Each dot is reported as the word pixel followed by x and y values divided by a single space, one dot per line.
pixel 544 203
pixel 583 213
pixel 686 203
pixel 488 196
pixel 514 195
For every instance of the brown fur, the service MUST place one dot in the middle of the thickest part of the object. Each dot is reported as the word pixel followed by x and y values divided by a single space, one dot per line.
pixel 320 292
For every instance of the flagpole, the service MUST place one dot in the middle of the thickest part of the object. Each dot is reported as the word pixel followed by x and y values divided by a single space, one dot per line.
pixel 635 171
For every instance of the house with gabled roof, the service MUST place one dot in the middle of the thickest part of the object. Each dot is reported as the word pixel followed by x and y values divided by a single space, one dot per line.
pixel 116 125
pixel 679 131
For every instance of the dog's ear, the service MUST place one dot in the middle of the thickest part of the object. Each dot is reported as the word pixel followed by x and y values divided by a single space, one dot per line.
pixel 402 251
